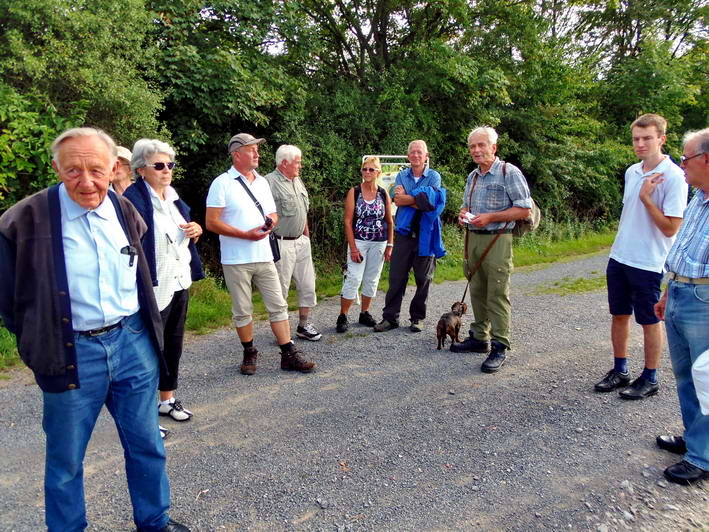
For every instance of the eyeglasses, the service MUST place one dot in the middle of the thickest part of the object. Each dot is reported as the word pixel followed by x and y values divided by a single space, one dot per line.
pixel 684 159
pixel 370 169
pixel 161 166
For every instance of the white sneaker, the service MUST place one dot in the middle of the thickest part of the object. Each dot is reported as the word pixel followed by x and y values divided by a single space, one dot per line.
pixel 308 332
pixel 164 433
pixel 175 410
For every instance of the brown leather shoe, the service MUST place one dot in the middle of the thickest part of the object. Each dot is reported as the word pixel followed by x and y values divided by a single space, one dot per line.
pixel 248 366
pixel 293 361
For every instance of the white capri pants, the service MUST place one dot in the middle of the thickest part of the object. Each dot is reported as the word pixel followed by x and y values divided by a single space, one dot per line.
pixel 366 272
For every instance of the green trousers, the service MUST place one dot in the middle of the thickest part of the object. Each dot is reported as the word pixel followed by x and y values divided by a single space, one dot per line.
pixel 490 288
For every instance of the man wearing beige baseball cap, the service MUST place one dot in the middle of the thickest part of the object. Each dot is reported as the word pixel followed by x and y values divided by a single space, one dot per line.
pixel 241 210
pixel 122 177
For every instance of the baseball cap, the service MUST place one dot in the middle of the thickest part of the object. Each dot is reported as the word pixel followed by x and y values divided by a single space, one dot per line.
pixel 243 139
pixel 123 153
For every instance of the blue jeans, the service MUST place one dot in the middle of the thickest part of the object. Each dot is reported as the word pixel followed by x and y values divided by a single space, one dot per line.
pixel 119 369
pixel 687 324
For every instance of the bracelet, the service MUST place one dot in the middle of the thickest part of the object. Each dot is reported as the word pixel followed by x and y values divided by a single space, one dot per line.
pixel 390 245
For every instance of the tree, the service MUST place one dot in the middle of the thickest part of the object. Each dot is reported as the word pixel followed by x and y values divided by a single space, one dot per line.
pixel 73 51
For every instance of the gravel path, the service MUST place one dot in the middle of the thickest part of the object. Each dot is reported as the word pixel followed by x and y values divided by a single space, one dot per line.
pixel 391 434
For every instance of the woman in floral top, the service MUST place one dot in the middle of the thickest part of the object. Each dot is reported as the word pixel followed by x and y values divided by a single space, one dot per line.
pixel 369 229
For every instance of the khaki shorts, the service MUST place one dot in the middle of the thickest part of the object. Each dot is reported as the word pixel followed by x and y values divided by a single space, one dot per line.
pixel 239 279
pixel 297 263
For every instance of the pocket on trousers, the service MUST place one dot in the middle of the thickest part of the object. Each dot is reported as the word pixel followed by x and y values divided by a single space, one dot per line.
pixel 701 292
pixel 134 325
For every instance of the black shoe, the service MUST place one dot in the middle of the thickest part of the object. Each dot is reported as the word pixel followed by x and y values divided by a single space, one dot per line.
pixel 342 323
pixel 640 388
pixel 495 359
pixel 612 380
pixel 366 319
pixel 673 444
pixel 685 473
pixel 471 345
pixel 172 526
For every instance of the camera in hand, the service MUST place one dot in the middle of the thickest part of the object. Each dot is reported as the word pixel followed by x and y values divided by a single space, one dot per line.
pixel 267 225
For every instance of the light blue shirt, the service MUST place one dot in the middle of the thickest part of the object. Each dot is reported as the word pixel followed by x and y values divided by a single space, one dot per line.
pixel 102 281
pixel 689 255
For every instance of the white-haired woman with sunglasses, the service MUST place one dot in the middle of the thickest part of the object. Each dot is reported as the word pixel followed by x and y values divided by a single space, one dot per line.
pixel 369 230
pixel 169 245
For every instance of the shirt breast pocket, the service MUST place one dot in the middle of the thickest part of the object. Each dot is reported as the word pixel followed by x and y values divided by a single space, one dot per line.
pixel 128 270
pixel 289 207
pixel 495 197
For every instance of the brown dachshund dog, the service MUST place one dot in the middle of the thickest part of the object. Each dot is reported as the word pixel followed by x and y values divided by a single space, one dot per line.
pixel 449 324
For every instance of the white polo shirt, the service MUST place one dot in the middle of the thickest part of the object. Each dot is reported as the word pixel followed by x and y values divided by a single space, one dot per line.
pixel 240 212
pixel 639 242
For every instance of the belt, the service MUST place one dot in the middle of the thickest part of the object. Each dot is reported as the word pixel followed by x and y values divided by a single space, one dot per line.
pixel 699 280
pixel 490 232
pixel 279 237
pixel 102 330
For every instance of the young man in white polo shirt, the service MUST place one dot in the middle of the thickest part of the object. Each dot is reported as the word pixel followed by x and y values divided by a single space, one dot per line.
pixel 654 200
pixel 246 254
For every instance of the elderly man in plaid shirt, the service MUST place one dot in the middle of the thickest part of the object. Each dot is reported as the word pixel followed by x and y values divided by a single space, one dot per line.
pixel 496 194
pixel 685 308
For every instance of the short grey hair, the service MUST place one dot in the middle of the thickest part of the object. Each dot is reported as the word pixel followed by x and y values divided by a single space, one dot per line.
pixel 76 132
pixel 143 149
pixel 702 136
pixel 287 152
pixel 489 132
pixel 425 146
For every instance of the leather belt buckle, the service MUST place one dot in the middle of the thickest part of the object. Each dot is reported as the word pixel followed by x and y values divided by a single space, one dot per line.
pixel 102 330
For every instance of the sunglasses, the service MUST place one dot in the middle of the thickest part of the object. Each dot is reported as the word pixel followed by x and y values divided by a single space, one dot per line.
pixel 161 166
pixel 370 169
pixel 684 159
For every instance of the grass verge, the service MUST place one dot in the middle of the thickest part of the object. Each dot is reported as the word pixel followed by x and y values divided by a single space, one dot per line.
pixel 210 304
pixel 569 285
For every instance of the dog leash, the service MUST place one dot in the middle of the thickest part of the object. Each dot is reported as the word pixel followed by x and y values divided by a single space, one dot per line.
pixel 482 257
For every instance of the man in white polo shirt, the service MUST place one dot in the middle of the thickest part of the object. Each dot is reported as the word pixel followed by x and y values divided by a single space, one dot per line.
pixel 243 222
pixel 654 200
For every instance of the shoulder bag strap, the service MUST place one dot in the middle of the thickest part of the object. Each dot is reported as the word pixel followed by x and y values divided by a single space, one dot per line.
pixel 256 202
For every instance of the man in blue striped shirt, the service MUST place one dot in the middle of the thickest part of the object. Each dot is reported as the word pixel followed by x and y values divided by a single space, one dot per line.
pixel 685 308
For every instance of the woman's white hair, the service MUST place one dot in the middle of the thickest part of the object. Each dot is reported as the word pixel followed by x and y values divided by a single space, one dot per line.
pixel 143 149
pixel 83 132
pixel 490 133
pixel 287 152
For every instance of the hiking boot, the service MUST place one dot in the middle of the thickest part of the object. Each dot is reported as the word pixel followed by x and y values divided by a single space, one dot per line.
pixel 343 324
pixel 309 332
pixel 416 326
pixel 292 361
pixel 248 366
pixel 385 325
pixel 366 319
pixel 471 345
pixel 495 359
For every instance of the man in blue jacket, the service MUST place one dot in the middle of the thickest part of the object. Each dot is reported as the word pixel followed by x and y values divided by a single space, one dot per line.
pixel 408 236
pixel 75 289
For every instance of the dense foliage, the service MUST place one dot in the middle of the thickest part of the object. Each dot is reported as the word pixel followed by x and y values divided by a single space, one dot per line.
pixel 560 80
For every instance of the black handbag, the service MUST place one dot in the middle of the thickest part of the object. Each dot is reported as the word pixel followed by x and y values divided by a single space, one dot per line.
pixel 272 240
